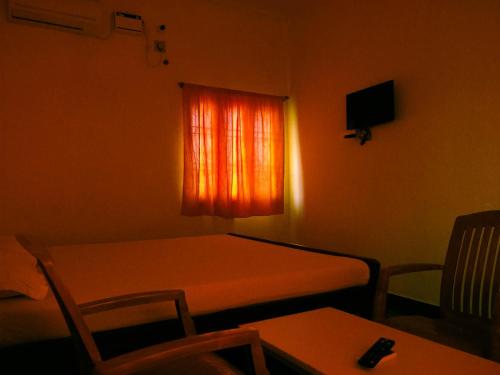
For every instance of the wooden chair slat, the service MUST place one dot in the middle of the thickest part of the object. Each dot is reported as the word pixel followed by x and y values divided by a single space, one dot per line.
pixel 488 274
pixel 470 267
pixel 495 273
pixel 478 280
pixel 459 270
pixel 449 295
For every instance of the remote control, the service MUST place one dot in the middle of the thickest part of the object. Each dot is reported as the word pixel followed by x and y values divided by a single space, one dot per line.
pixel 380 349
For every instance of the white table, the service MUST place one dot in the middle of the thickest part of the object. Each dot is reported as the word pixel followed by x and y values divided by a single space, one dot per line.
pixel 329 341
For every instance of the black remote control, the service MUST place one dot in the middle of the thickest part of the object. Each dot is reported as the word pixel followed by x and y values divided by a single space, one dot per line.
pixel 380 349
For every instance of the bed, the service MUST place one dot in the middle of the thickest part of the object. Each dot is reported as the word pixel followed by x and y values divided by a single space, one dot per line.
pixel 228 279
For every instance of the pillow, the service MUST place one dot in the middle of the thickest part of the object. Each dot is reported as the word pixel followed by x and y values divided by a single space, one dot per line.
pixel 19 272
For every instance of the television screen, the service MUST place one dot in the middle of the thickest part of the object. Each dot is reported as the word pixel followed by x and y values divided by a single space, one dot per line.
pixel 371 106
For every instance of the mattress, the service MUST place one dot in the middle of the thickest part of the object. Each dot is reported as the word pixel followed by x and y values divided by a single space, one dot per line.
pixel 217 272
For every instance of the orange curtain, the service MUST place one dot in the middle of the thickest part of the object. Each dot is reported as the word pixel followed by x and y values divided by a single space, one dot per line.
pixel 233 153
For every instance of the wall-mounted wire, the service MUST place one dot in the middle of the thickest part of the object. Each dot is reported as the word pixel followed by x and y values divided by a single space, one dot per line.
pixel 156 50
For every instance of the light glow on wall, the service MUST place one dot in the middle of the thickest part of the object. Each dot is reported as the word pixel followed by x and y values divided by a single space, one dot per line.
pixel 295 160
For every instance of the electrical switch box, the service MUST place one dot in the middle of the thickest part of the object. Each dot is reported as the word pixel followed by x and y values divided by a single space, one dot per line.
pixel 128 22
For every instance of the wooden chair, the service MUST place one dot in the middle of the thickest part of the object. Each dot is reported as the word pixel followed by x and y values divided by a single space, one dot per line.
pixel 470 298
pixel 190 355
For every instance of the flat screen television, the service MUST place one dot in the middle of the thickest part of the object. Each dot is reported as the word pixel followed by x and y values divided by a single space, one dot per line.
pixel 371 106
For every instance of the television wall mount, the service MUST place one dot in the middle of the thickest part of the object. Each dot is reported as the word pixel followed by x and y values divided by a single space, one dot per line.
pixel 363 135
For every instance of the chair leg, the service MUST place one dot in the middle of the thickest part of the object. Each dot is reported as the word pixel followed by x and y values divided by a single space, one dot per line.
pixel 494 349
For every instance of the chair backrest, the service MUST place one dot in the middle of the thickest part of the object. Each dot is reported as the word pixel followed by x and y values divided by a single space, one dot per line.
pixel 471 275
pixel 88 352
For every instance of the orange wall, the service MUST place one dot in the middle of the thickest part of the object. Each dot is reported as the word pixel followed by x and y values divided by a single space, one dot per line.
pixel 396 197
pixel 90 137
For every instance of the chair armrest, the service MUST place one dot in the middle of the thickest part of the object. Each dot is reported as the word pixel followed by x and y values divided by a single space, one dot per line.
pixel 128 300
pixel 380 299
pixel 135 299
pixel 144 358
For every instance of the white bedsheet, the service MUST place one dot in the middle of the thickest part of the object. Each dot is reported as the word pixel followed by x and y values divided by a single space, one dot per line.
pixel 217 272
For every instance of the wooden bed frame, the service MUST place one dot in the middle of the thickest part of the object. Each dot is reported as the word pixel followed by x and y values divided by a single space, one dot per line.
pixel 57 356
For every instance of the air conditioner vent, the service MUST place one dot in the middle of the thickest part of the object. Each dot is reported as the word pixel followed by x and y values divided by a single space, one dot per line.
pixel 81 16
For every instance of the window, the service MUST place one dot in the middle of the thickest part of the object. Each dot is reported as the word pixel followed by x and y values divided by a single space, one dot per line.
pixel 233 153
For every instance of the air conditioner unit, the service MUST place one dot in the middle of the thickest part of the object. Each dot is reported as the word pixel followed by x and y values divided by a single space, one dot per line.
pixel 81 16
